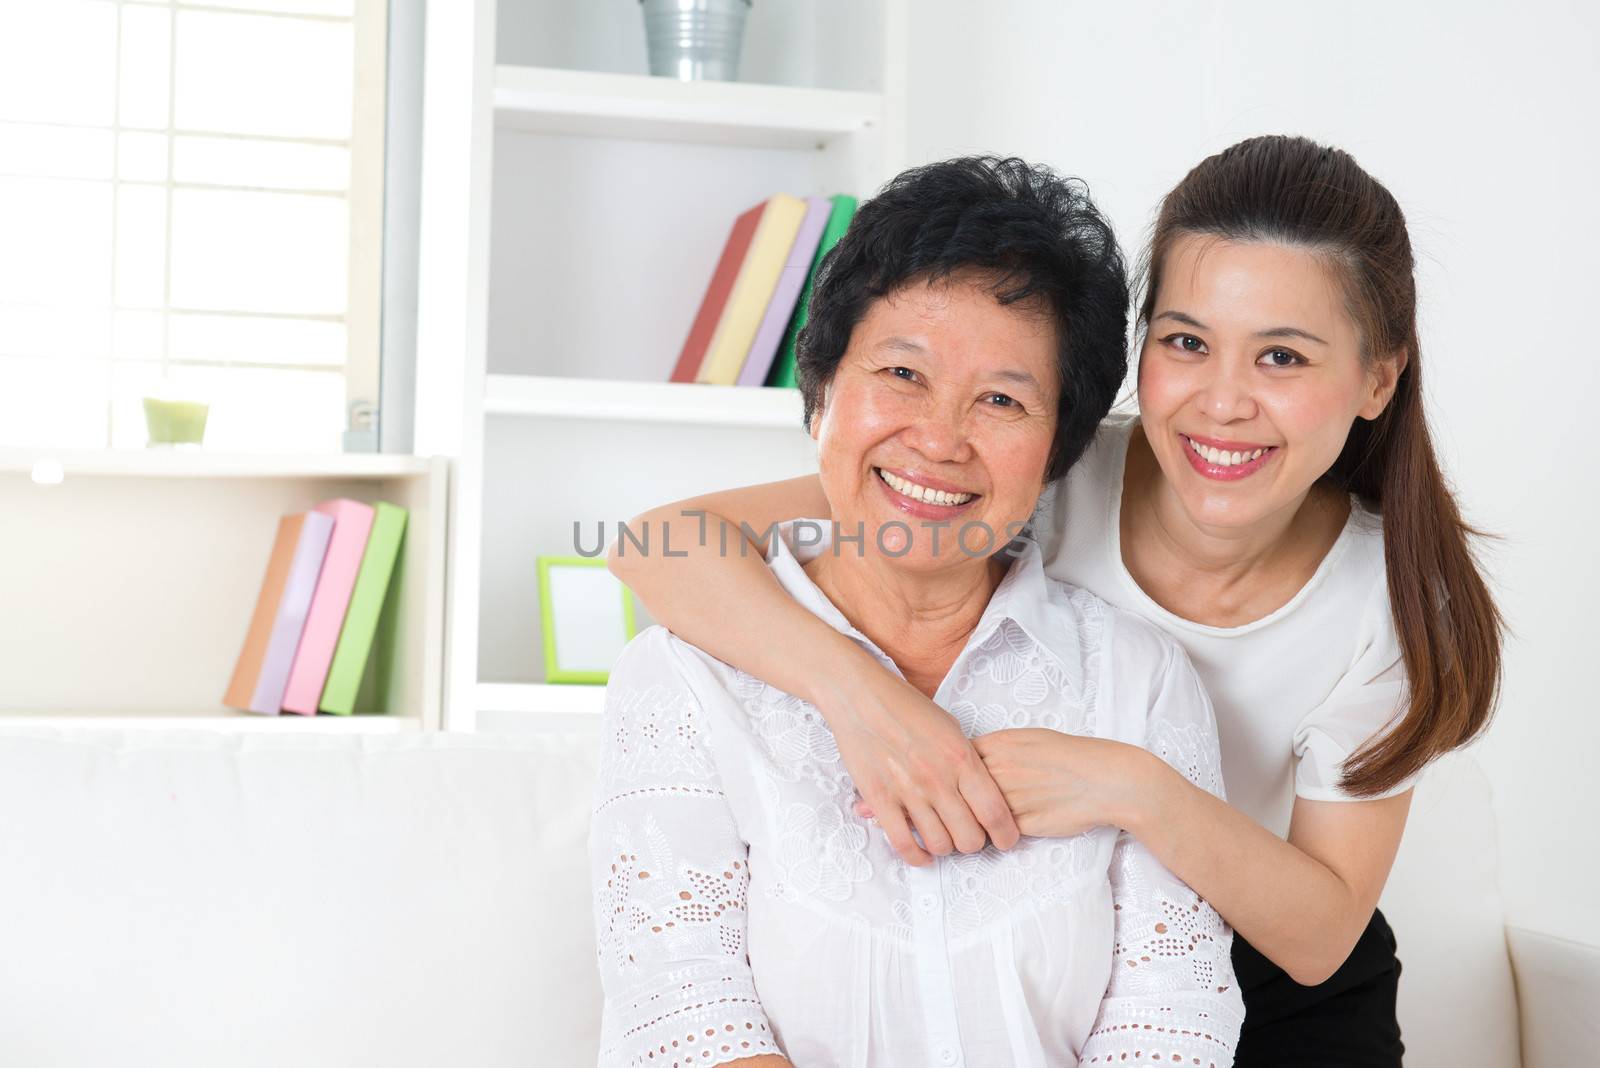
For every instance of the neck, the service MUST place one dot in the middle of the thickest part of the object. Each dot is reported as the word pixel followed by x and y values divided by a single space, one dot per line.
pixel 922 620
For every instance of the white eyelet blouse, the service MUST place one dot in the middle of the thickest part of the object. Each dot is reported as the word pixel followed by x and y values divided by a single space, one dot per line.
pixel 742 908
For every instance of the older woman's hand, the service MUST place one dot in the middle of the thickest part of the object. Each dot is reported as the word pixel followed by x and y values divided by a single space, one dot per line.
pixel 1058 785
pixel 914 768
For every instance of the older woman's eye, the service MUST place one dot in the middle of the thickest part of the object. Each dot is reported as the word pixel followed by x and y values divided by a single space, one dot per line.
pixel 905 373
pixel 1000 400
pixel 1186 342
pixel 1282 358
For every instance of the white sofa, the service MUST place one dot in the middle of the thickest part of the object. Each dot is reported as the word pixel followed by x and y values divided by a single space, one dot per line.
pixel 181 898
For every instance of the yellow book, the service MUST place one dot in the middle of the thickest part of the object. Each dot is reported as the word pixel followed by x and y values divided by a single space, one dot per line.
pixel 752 290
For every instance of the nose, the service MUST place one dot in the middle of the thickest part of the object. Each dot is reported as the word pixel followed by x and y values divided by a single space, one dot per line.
pixel 1226 394
pixel 940 434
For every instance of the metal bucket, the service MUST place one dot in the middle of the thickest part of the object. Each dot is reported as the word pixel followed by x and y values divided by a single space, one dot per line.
pixel 695 40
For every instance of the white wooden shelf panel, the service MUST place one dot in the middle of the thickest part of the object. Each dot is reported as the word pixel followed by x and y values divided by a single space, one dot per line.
pixel 646 402
pixel 546 100
pixel 540 698
pixel 198 463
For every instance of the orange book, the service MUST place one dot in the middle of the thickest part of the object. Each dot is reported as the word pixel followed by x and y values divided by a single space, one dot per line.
pixel 262 671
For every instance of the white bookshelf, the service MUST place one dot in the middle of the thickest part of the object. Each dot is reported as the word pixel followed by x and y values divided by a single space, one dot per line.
pixel 573 209
pixel 200 463
pixel 641 402
pixel 132 575
pixel 542 100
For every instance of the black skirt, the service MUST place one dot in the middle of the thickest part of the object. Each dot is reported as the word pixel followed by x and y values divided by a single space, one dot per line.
pixel 1347 1022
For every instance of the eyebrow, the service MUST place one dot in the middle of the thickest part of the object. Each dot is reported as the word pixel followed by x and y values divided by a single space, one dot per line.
pixel 1277 331
pixel 902 344
pixel 1009 374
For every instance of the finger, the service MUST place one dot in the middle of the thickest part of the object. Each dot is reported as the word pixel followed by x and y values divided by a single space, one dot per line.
pixel 935 838
pixel 863 809
pixel 959 820
pixel 988 805
pixel 894 825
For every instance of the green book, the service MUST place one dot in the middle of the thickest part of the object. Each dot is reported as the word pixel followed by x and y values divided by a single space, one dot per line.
pixel 844 209
pixel 366 606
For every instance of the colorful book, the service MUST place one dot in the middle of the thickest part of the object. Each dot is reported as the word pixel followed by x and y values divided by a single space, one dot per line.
pixel 262 671
pixel 716 298
pixel 844 209
pixel 790 282
pixel 366 605
pixel 752 290
pixel 352 522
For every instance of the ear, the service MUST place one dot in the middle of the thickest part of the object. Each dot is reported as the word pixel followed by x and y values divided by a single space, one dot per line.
pixel 815 427
pixel 1382 378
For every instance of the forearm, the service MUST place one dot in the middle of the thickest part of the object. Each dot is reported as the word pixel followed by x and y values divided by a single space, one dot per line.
pixel 1295 910
pixel 766 1060
pixel 716 592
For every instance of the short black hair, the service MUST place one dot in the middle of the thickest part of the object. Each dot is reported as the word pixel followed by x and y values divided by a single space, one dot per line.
pixel 1036 232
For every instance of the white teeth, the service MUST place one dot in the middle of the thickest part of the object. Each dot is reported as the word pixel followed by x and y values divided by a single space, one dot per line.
pixel 1223 458
pixel 923 493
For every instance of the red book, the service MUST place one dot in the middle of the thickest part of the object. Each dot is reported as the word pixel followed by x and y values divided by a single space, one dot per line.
pixel 705 322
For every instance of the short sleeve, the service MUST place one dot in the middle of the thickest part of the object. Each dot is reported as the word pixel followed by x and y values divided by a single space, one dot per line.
pixel 1365 703
pixel 670 874
pixel 1172 997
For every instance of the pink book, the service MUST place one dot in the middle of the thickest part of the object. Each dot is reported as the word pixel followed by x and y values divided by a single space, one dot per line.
pixel 352 522
pixel 790 282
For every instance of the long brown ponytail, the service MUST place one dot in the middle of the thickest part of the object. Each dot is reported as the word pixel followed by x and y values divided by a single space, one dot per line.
pixel 1296 192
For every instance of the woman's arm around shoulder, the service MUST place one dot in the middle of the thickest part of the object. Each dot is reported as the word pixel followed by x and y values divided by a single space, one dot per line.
pixel 906 756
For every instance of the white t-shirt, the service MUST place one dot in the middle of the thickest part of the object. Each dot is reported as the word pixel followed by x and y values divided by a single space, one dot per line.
pixel 1295 692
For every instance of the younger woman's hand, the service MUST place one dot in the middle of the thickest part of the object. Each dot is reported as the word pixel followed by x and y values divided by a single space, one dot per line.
pixel 1058 785
pixel 914 768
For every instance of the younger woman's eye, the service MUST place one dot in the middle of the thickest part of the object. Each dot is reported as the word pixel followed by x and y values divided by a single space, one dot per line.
pixel 1187 342
pixel 1282 358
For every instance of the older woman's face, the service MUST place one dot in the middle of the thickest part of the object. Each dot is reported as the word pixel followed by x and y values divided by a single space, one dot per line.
pixel 939 421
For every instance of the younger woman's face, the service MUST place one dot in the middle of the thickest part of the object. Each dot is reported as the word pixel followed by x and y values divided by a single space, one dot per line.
pixel 1251 377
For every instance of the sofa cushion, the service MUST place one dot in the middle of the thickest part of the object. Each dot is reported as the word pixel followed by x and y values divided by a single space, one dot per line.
pixel 192 898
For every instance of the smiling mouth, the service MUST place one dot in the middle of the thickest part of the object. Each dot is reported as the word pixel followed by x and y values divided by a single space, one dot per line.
pixel 1224 457
pixel 925 494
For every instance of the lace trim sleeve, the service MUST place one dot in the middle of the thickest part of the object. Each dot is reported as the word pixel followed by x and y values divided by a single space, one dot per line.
pixel 1172 998
pixel 670 876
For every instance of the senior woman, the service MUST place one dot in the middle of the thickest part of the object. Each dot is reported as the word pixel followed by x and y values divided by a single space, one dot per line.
pixel 967 337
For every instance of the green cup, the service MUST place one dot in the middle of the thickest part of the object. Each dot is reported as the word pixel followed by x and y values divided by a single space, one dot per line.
pixel 174 422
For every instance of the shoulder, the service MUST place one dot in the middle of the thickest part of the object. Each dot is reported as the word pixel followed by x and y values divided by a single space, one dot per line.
pixel 1138 646
pixel 1358 582
pixel 1074 512
pixel 1127 647
pixel 652 655
pixel 1100 462
pixel 656 670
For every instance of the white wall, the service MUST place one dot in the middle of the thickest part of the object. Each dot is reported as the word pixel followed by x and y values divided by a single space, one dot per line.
pixel 1481 118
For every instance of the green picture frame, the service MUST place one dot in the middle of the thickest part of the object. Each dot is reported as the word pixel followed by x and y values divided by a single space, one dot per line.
pixel 593 620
